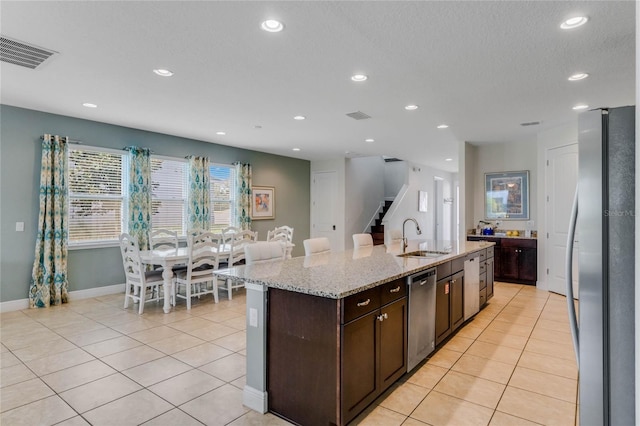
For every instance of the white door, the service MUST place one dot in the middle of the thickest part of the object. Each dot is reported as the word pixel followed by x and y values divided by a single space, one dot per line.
pixel 561 181
pixel 323 207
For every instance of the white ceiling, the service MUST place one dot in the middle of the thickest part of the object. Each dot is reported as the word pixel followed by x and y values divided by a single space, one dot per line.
pixel 481 67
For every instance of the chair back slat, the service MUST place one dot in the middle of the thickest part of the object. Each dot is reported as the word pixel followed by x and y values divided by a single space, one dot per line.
pixel 238 242
pixel 163 239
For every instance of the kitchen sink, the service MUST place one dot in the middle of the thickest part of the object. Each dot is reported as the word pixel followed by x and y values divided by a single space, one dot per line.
pixel 424 253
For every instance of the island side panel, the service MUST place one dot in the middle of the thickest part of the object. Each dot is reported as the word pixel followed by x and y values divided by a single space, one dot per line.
pixel 303 357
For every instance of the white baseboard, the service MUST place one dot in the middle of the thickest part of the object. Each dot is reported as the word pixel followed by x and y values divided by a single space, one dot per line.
pixel 17 305
pixel 255 399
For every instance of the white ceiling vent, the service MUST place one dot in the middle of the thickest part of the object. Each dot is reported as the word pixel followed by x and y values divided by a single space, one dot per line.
pixel 358 115
pixel 23 54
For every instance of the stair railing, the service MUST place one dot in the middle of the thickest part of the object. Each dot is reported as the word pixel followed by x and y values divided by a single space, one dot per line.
pixel 367 228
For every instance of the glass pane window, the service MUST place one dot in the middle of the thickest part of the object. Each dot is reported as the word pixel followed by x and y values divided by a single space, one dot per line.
pixel 168 194
pixel 96 196
pixel 222 196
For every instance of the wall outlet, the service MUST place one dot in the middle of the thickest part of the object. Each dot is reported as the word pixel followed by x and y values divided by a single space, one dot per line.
pixel 19 226
pixel 253 317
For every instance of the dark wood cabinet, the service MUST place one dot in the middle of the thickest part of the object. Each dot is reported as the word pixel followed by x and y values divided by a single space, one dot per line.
pixel 449 300
pixel 514 260
pixel 329 359
pixel 489 262
pixel 374 356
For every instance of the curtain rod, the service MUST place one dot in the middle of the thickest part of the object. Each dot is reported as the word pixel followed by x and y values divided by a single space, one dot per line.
pixel 73 141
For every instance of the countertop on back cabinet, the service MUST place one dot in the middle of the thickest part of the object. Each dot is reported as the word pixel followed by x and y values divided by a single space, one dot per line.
pixel 484 237
pixel 340 274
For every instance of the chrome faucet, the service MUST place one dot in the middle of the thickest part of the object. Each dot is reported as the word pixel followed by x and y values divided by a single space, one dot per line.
pixel 404 239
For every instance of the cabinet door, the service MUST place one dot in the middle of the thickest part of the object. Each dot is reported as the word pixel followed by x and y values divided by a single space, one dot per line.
pixel 497 263
pixel 393 342
pixel 490 277
pixel 509 263
pixel 528 265
pixel 359 360
pixel 443 311
pixel 457 302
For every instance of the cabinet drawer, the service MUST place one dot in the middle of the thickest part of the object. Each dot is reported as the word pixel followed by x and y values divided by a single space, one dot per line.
pixel 483 296
pixel 457 265
pixel 490 252
pixel 392 291
pixel 443 270
pixel 361 303
pixel 483 267
pixel 483 280
pixel 483 255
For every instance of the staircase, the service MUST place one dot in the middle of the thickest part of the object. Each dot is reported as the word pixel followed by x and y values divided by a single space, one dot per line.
pixel 377 230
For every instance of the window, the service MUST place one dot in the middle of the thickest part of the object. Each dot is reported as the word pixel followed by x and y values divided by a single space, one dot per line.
pixel 222 187
pixel 169 194
pixel 96 195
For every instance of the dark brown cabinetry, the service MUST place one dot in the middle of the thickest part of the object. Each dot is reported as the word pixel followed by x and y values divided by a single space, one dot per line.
pixel 449 298
pixel 514 259
pixel 328 359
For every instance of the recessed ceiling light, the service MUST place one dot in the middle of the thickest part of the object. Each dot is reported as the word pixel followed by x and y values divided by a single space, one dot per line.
pixel 359 77
pixel 257 126
pixel 89 105
pixel 580 107
pixel 578 76
pixel 574 22
pixel 296 149
pixel 221 133
pixel 272 26
pixel 299 117
pixel 448 159
pixel 443 126
pixel 411 107
pixel 163 73
pixel 369 140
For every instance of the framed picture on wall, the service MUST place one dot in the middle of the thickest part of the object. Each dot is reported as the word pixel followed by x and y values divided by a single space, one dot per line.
pixel 263 202
pixel 507 195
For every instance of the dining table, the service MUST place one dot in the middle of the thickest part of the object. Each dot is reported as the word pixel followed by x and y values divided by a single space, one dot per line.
pixel 168 258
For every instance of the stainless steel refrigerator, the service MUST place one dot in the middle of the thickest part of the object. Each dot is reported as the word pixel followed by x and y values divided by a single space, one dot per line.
pixel 605 221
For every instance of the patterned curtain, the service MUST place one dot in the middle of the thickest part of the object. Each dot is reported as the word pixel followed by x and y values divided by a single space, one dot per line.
pixel 198 193
pixel 243 196
pixel 49 284
pixel 140 195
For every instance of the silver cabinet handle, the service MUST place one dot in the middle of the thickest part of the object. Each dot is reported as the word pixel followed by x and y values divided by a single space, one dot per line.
pixel 397 289
pixel 365 303
pixel 453 281
pixel 383 317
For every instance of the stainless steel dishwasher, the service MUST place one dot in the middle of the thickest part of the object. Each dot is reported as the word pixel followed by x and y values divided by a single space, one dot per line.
pixel 422 316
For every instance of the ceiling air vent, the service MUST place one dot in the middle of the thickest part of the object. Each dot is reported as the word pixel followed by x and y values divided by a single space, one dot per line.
pixel 358 115
pixel 530 123
pixel 22 54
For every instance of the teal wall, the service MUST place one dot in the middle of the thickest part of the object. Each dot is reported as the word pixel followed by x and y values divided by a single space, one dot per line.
pixel 20 132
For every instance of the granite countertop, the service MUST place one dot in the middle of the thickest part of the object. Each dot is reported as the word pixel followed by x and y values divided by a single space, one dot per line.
pixel 340 274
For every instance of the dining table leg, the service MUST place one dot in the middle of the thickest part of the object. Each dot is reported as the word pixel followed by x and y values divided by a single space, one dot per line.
pixel 167 276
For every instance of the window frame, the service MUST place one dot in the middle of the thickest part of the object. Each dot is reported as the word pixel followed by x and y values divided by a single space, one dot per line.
pixel 124 189
pixel 231 200
pixel 185 195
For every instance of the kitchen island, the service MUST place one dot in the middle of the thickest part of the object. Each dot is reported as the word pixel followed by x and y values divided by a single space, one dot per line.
pixel 327 334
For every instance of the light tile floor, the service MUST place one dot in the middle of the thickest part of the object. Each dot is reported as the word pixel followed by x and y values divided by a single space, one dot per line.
pixel 92 362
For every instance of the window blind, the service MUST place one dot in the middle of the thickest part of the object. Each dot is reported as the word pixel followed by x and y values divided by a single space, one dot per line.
pixel 222 195
pixel 168 194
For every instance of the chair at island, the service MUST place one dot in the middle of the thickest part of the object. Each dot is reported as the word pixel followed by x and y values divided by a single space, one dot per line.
pixel 264 251
pixel 316 245
pixel 362 240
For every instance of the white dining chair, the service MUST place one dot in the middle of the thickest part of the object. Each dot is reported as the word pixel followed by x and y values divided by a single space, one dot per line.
pixel 362 240
pixel 282 233
pixel 237 242
pixel 287 231
pixel 199 279
pixel 316 245
pixel 138 281
pixel 230 230
pixel 264 251
pixel 162 239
